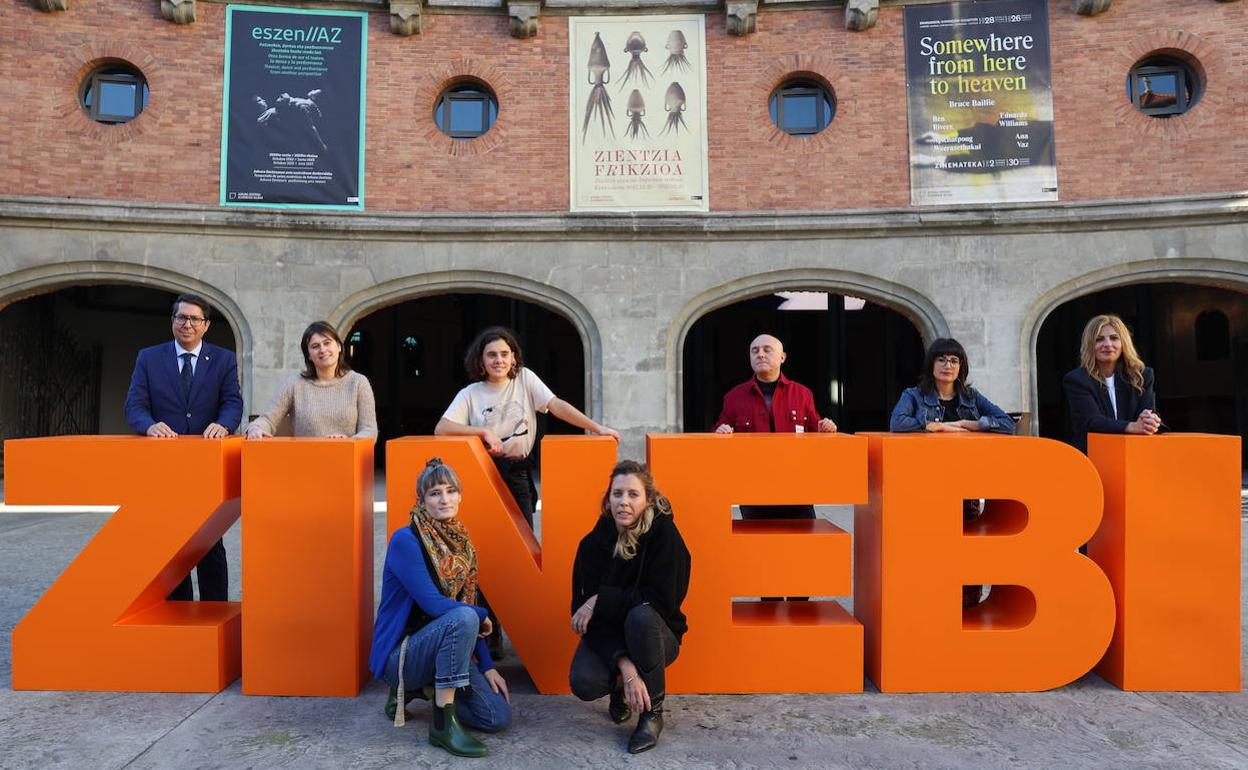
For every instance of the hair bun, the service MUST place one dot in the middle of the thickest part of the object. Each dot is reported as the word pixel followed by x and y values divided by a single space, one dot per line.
pixel 434 462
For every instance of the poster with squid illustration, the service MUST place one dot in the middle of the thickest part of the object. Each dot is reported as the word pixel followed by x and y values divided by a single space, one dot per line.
pixel 638 113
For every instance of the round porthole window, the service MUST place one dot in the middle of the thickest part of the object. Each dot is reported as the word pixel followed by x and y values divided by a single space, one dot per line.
pixel 466 110
pixel 802 107
pixel 1163 86
pixel 114 93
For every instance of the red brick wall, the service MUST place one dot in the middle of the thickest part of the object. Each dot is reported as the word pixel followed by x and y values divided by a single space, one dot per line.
pixel 171 153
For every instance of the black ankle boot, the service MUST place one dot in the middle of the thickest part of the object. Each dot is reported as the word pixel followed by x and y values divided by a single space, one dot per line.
pixel 617 708
pixel 649 726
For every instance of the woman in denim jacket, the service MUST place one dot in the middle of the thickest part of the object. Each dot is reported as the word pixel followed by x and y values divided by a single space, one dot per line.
pixel 943 402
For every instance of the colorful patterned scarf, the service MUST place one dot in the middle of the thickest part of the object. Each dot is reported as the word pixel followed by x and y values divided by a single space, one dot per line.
pixel 451 552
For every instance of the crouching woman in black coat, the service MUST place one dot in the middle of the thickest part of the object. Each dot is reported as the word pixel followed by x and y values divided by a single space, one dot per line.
pixel 630 577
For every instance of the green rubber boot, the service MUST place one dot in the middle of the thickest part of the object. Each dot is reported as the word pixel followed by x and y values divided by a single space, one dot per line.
pixel 451 735
pixel 392 699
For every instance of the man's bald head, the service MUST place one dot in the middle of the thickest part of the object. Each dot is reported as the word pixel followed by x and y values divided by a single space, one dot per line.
pixel 766 356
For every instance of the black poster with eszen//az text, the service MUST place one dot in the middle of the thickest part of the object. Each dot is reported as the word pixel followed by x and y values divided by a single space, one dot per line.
pixel 292 128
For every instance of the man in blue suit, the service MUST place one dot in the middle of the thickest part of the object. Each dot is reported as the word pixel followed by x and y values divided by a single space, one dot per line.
pixel 190 388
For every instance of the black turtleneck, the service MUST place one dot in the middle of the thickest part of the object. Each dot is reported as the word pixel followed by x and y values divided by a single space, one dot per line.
pixel 769 390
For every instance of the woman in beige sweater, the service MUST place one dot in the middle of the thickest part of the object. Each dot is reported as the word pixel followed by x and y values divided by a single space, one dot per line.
pixel 327 399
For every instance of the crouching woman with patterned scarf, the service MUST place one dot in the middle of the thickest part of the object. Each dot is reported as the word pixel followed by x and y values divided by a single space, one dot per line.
pixel 630 577
pixel 429 626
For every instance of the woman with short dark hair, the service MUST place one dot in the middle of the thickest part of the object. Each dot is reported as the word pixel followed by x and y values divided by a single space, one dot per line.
pixel 429 625
pixel 630 577
pixel 326 399
pixel 944 400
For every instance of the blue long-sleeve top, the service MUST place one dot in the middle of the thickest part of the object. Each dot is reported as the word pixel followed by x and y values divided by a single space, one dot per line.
pixel 405 582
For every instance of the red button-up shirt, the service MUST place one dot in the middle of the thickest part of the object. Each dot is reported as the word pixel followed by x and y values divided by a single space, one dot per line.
pixel 792 405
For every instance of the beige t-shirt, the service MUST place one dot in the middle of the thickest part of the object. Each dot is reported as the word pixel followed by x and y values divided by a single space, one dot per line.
pixel 509 409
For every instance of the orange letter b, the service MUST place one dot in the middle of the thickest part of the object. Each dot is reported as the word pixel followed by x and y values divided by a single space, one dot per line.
pixel 1050 613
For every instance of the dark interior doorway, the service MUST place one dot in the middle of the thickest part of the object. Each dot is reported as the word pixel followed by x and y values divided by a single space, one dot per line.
pixel 413 353
pixel 68 355
pixel 855 356
pixel 1194 337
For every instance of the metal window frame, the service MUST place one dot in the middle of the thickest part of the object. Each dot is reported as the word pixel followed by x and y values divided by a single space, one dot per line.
pixel 803 89
pixel 128 78
pixel 469 93
pixel 1183 93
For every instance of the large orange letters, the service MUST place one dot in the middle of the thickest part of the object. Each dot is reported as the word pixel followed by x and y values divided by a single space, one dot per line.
pixel 307 566
pixel 764 646
pixel 528 586
pixel 1169 542
pixel 1050 613
pixel 105 623
pixel 1170 546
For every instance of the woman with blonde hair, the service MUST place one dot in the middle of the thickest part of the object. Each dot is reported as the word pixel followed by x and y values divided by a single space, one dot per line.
pixel 629 579
pixel 1112 390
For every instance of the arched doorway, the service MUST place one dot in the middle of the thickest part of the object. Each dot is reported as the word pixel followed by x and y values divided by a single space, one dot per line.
pixel 68 355
pixel 1195 338
pixel 413 353
pixel 856 356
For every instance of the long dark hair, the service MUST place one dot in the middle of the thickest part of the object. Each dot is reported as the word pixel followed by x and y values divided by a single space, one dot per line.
pixel 944 346
pixel 325 329
pixel 472 359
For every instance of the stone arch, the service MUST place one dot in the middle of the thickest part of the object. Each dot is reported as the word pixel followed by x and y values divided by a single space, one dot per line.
pixel 914 306
pixel 32 281
pixel 392 292
pixel 1220 273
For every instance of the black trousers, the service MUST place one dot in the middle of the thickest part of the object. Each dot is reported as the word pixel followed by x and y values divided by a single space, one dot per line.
pixel 652 647
pixel 519 481
pixel 768 512
pixel 214 578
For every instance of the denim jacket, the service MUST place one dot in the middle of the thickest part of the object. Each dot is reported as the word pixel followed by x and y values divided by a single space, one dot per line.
pixel 916 409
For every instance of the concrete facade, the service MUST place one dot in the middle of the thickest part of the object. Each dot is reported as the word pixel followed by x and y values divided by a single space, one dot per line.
pixel 1144 200
pixel 634 285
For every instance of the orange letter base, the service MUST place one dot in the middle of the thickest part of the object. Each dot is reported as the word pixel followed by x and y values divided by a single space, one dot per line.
pixel 105 623
pixel 763 646
pixel 1170 545
pixel 307 566
pixel 1050 614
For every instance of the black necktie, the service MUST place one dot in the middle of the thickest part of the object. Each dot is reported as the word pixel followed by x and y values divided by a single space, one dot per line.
pixel 188 374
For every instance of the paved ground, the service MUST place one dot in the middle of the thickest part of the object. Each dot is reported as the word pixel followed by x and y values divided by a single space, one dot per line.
pixel 1087 724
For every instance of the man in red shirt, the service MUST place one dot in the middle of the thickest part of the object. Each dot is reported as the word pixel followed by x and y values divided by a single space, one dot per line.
pixel 769 402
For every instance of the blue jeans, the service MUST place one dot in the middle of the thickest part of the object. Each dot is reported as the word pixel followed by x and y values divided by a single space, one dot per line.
pixel 441 654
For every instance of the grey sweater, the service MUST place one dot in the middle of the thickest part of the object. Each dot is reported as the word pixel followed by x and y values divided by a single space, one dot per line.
pixel 342 407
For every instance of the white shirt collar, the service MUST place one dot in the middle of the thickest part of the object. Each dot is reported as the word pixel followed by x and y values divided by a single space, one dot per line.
pixel 178 351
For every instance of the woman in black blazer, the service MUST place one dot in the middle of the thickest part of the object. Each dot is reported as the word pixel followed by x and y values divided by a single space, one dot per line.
pixel 1112 390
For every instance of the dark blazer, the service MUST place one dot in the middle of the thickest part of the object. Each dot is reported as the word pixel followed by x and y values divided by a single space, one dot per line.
pixel 155 393
pixel 1091 410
